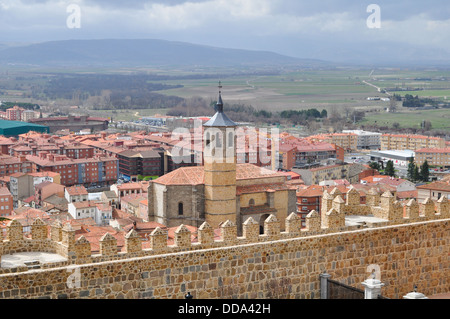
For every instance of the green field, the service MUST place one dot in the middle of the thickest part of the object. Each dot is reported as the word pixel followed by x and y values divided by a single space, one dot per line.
pixel 440 118
pixel 328 89
pixel 291 90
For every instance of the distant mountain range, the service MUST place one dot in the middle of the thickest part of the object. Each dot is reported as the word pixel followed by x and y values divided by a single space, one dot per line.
pixel 141 53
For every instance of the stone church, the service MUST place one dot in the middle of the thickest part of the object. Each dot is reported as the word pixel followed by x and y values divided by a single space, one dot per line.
pixel 221 189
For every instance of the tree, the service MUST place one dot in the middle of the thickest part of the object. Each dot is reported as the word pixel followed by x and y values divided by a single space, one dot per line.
pixel 375 165
pixel 427 125
pixel 390 171
pixel 416 175
pixel 324 114
pixel 396 125
pixel 411 168
pixel 392 105
pixel 425 172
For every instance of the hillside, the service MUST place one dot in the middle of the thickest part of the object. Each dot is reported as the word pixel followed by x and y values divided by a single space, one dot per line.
pixel 142 53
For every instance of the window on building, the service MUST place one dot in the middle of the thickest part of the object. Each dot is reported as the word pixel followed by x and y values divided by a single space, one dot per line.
pixel 251 202
pixel 180 209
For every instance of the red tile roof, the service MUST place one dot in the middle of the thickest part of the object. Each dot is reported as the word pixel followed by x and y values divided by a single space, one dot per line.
pixel 444 186
pixel 194 175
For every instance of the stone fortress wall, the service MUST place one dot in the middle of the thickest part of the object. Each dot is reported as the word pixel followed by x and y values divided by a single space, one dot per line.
pixel 410 245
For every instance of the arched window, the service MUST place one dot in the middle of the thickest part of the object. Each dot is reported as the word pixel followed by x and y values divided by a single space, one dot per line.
pixel 218 140
pixel 251 202
pixel 208 139
pixel 230 139
pixel 180 209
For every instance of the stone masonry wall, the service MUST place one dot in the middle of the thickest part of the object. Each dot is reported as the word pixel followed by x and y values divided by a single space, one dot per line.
pixel 412 248
pixel 416 253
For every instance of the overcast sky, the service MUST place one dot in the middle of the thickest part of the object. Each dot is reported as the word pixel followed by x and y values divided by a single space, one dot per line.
pixel 323 29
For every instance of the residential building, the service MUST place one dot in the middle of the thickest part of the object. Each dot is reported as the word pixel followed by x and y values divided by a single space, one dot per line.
pixel 76 194
pixel 10 165
pixel 14 113
pixel 111 198
pixel 122 190
pixel 348 141
pixel 139 162
pixel 350 172
pixel 439 157
pixel 131 204
pixel 100 212
pixel 6 202
pixel 400 185
pixel 434 190
pixel 410 142
pixel 22 185
pixel 301 153
pixel 45 190
pixel 366 140
pixel 86 171
pixel 28 115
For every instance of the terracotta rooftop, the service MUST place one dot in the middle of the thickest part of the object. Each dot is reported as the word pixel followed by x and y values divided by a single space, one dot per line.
pixel 4 191
pixel 84 204
pixel 195 175
pixel 262 188
pixel 444 186
pixel 76 190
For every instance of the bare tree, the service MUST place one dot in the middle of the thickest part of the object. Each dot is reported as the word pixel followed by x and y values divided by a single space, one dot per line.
pixel 392 105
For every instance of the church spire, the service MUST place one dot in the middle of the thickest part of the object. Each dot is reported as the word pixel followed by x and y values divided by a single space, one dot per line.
pixel 220 119
pixel 219 104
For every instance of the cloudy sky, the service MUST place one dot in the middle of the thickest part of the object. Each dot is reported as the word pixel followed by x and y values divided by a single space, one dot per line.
pixel 323 29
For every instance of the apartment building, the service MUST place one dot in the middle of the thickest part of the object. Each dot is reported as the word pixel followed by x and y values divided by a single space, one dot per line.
pixel 14 113
pixel 85 171
pixel 348 141
pixel 6 202
pixel 10 165
pixel 302 152
pixel 22 185
pixel 366 140
pixel 410 142
pixel 350 172
pixel 434 156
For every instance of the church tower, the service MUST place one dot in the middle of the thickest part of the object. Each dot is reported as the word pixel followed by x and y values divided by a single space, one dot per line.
pixel 220 167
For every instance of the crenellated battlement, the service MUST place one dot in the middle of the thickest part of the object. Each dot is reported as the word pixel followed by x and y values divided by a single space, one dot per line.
pixel 332 219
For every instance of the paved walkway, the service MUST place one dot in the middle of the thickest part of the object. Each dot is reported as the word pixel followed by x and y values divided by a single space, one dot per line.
pixel 19 259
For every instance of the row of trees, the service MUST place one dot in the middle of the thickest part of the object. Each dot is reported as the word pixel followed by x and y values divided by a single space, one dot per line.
pixel 198 106
pixel 414 174
pixel 418 174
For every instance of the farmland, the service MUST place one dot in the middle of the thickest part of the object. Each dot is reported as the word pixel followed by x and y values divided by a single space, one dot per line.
pixel 331 89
